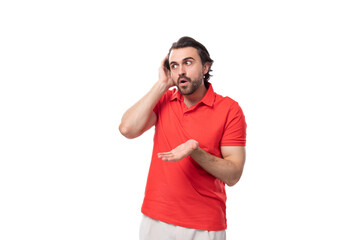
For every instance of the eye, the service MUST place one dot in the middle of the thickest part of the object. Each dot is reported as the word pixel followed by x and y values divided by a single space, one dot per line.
pixel 174 66
pixel 188 62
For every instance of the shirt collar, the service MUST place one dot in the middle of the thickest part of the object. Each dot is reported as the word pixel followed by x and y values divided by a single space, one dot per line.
pixel 208 99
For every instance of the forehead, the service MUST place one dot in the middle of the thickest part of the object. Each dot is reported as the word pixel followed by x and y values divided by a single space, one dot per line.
pixel 177 55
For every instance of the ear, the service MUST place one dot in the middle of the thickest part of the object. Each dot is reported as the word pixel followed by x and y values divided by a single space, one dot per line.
pixel 206 68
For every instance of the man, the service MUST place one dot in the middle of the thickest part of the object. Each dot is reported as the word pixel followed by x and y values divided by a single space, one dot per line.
pixel 199 146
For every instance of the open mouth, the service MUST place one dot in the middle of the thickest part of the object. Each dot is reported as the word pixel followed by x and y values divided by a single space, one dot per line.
pixel 183 82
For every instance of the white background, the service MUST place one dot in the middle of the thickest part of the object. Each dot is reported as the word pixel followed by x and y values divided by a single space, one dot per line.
pixel 69 70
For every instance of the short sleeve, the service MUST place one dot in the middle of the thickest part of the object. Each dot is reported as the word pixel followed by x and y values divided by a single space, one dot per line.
pixel 235 127
pixel 162 101
pixel 157 106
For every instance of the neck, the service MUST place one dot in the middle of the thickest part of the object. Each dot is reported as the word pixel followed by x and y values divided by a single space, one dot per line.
pixel 191 100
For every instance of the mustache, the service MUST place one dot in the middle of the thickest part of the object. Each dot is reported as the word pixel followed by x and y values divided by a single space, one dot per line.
pixel 184 77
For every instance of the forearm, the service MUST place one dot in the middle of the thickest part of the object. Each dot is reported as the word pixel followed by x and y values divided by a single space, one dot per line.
pixel 227 171
pixel 135 120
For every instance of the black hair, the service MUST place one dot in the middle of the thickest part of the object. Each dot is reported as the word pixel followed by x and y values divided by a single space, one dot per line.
pixel 202 51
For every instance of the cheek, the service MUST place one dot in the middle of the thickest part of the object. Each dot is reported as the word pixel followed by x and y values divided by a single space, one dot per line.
pixel 173 72
pixel 172 75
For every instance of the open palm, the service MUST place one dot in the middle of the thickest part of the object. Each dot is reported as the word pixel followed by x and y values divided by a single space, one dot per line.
pixel 180 152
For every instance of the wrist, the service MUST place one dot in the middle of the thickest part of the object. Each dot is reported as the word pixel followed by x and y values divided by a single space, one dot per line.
pixel 161 86
pixel 194 145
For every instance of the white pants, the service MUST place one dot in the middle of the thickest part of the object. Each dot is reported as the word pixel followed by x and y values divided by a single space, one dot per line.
pixel 151 229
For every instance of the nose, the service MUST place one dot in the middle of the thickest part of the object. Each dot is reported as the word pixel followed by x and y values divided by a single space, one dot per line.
pixel 182 70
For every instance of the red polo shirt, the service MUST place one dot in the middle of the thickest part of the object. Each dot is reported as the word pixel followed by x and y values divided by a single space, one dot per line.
pixel 182 193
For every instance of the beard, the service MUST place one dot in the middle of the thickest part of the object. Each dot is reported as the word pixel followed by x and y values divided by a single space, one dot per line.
pixel 189 88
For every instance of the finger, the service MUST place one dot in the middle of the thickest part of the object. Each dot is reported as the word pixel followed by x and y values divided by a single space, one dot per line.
pixel 167 154
pixel 164 153
pixel 169 159
pixel 165 63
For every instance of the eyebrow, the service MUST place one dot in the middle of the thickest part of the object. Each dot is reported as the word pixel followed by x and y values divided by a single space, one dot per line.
pixel 185 59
